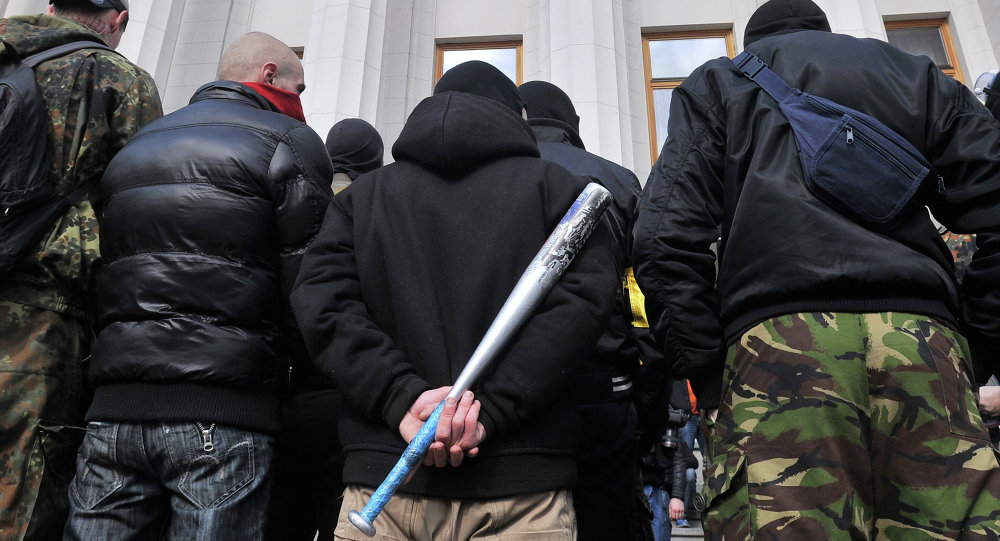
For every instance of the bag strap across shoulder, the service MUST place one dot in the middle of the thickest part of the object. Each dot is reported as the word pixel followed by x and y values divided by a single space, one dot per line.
pixel 757 71
pixel 34 60
pixel 62 50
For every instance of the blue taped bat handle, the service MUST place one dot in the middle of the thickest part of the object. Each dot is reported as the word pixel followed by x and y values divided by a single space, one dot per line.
pixel 412 456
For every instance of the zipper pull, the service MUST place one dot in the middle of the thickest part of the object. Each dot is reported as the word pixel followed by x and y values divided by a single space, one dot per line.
pixel 850 135
pixel 206 437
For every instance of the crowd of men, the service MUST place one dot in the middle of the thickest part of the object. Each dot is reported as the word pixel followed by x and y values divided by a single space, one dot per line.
pixel 237 331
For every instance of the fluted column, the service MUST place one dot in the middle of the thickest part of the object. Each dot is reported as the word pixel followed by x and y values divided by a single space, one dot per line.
pixel 10 8
pixel 200 39
pixel 343 61
pixel 990 10
pixel 151 36
pixel 978 44
pixel 582 49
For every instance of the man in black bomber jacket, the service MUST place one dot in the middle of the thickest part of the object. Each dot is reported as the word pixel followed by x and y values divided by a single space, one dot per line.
pixel 833 352
pixel 608 490
pixel 205 215
pixel 411 266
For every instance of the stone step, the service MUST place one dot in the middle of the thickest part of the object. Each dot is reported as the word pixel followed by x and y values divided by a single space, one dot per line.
pixel 693 532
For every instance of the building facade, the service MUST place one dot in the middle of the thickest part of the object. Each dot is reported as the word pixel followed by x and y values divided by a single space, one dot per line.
pixel 617 59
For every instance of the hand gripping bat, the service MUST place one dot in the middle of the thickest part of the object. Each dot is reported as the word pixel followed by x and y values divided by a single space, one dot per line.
pixel 535 283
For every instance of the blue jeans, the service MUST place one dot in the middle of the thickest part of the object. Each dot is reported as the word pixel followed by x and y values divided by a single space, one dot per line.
pixel 659 504
pixel 689 432
pixel 174 480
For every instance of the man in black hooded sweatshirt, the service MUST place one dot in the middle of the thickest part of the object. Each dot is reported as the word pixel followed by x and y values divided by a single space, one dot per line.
pixel 607 456
pixel 410 268
pixel 836 355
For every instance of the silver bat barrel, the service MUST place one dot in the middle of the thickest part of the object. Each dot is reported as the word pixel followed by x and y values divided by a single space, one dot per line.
pixel 542 273
pixel 535 283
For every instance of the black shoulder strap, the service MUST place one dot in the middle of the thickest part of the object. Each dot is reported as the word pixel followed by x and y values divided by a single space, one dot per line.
pixel 62 50
pixel 757 71
pixel 31 61
pixel 79 193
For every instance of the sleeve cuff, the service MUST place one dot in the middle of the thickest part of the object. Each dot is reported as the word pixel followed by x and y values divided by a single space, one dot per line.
pixel 983 351
pixel 707 387
pixel 403 394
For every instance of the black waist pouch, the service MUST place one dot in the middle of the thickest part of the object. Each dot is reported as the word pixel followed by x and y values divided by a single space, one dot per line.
pixel 851 161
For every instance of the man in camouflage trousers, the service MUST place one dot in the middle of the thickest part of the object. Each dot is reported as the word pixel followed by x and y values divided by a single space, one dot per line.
pixel 833 359
pixel 96 100
pixel 881 393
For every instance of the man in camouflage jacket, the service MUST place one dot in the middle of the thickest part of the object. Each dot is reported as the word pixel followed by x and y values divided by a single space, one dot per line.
pixel 96 100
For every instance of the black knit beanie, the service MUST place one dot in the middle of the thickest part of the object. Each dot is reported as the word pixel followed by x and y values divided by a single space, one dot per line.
pixel 778 17
pixel 546 100
pixel 355 147
pixel 482 79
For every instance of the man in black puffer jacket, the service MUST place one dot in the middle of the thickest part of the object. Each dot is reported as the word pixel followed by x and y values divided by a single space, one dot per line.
pixel 412 265
pixel 205 215
pixel 834 352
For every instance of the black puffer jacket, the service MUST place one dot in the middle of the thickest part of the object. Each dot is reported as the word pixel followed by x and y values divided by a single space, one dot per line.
pixel 412 265
pixel 205 216
pixel 730 162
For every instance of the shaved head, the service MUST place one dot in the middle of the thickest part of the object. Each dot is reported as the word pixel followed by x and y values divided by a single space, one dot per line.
pixel 261 58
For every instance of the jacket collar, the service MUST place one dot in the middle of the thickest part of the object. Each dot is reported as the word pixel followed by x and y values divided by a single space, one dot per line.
pixel 556 131
pixel 231 90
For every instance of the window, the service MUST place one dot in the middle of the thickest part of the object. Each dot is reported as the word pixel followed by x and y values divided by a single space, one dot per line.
pixel 504 55
pixel 927 37
pixel 669 59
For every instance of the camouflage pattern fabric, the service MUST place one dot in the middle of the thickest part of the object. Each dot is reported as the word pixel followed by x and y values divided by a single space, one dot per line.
pixel 87 129
pixel 42 396
pixel 850 426
pixel 962 248
pixel 96 102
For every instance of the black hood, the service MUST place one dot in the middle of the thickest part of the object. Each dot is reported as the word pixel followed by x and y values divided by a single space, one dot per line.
pixel 355 147
pixel 545 100
pixel 454 132
pixel 778 17
pixel 482 79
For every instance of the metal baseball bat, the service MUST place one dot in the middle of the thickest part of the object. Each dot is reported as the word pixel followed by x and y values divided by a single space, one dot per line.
pixel 535 283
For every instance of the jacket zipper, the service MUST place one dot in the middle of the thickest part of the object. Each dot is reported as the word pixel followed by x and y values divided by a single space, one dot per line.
pixel 898 165
pixel 863 122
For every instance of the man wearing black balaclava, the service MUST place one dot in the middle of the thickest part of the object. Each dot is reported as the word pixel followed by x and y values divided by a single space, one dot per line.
pixel 410 268
pixel 606 458
pixel 831 360
pixel 355 148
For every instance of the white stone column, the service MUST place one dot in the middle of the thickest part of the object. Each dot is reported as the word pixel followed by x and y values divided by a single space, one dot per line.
pixel 582 50
pixel 407 67
pixel 198 47
pixel 990 10
pixel 637 158
pixel 858 18
pixel 976 50
pixel 343 62
pixel 10 8
pixel 151 36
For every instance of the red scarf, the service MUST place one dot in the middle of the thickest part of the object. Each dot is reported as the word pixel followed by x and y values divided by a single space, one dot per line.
pixel 286 102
